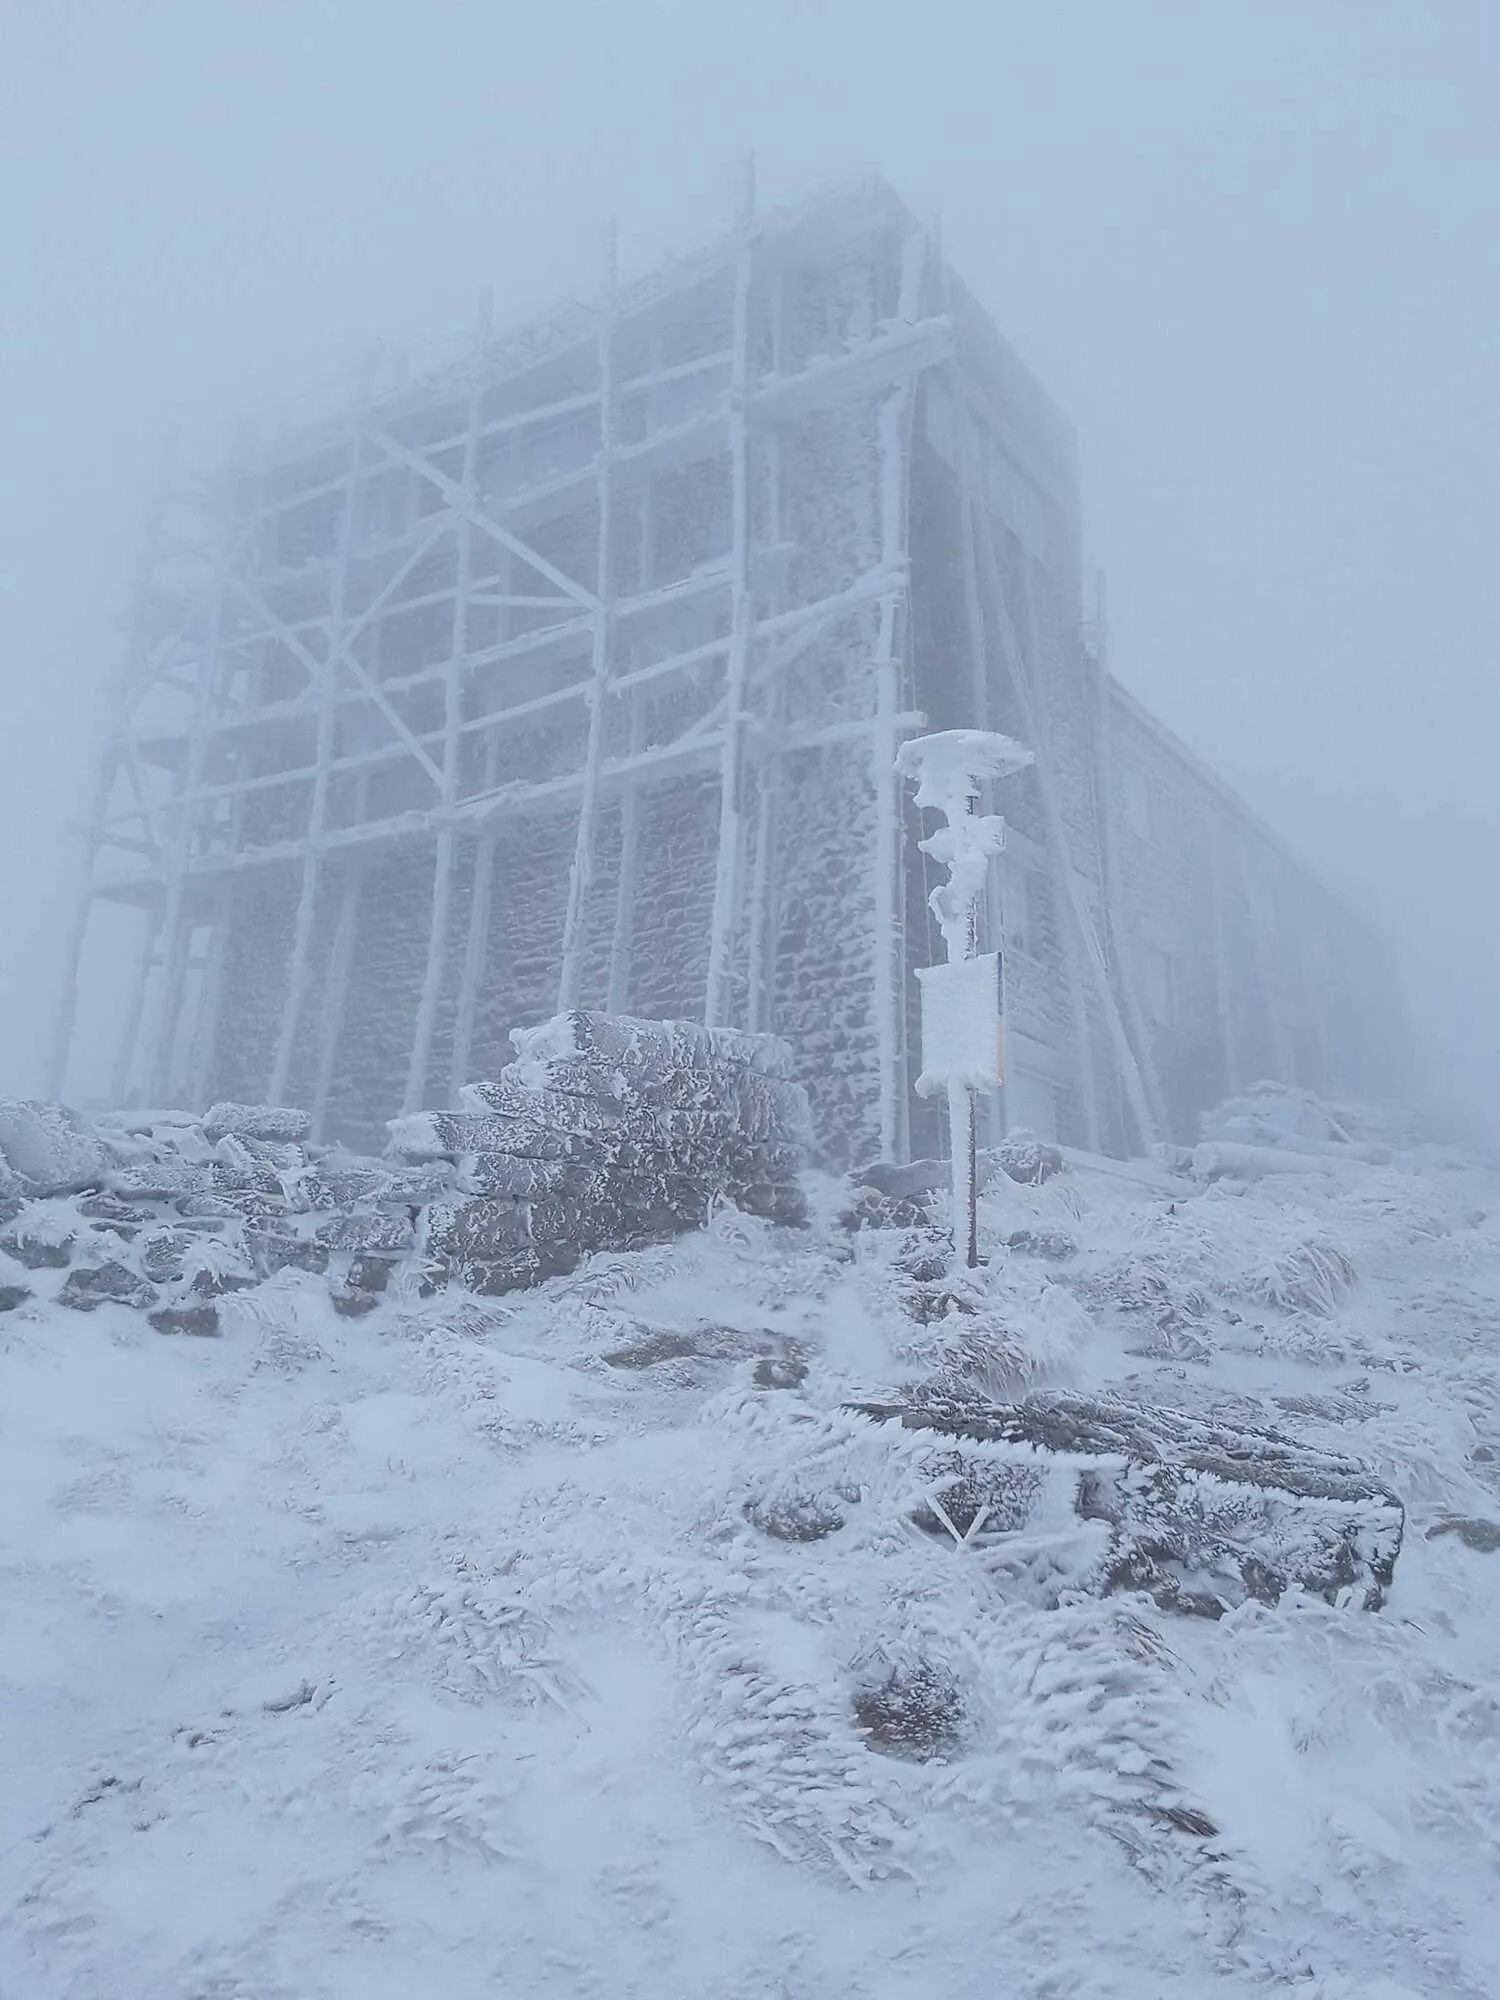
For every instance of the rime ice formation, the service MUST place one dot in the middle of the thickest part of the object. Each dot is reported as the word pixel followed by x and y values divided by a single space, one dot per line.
pixel 575 674
pixel 588 1638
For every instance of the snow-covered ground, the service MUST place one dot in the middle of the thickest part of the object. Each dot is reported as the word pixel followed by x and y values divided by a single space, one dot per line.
pixel 446 1652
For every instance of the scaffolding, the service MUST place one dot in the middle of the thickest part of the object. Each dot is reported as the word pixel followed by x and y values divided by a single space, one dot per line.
pixel 575 672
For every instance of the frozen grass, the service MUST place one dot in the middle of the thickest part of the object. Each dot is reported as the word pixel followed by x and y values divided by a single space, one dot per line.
pixel 441 1653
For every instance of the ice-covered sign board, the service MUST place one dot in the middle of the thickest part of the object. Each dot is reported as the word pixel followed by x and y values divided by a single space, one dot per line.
pixel 963 1026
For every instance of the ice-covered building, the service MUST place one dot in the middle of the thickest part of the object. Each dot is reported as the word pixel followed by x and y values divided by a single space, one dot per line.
pixel 575 672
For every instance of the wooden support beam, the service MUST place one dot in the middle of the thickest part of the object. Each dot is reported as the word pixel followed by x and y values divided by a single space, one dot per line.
pixel 889 955
pixel 300 965
pixel 454 494
pixel 581 872
pixel 446 846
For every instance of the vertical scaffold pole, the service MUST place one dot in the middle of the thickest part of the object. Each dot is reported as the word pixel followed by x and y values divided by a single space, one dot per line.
pixel 581 874
pixel 300 966
pixel 895 461
pixel 176 931
pixel 622 938
pixel 724 928
pixel 445 848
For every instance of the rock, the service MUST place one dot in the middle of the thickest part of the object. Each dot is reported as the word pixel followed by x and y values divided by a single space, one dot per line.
pixel 93 1285
pixel 280 1123
pixel 915 1712
pixel 1201 1515
pixel 488 1229
pixel 1053 1246
pixel 271 1250
pixel 376 1231
pixel 783 1203
pixel 523 1179
pixel 164 1254
pixel 239 1170
pixel 647 1049
pixel 784 1370
pixel 796 1517
pixel 349 1302
pixel 49 1149
pixel 200 1322
pixel 1024 1157
pixel 12 1296
pixel 160 1180
pixel 368 1273
pixel 1483 1536
pixel 40 1243
pixel 491 1278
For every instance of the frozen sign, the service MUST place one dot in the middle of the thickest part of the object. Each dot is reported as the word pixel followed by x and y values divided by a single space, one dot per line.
pixel 962 1001
pixel 963 1024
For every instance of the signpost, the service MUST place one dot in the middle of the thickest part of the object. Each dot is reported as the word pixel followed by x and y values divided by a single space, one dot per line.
pixel 963 1001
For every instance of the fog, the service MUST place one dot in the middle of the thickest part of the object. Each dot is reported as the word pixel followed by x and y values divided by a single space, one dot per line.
pixel 1250 249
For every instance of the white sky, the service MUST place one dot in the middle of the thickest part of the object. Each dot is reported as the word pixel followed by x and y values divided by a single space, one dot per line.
pixel 1250 246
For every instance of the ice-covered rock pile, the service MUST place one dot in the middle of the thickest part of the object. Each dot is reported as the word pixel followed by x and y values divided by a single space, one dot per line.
pixel 606 1134
pixel 171 1213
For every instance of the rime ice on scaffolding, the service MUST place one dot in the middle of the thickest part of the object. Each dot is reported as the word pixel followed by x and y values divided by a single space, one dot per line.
pixel 575 670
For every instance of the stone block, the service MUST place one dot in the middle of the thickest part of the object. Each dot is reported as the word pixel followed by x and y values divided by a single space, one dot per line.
pixel 488 1229
pixel 41 1244
pixel 277 1122
pixel 273 1250
pixel 524 1180
pixel 374 1230
pixel 110 1283
pixel 198 1322
pixel 160 1180
pixel 647 1049
pixel 534 1130
pixel 12 1296
pixel 48 1149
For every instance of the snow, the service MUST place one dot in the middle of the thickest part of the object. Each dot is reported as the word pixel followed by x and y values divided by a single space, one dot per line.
pixel 435 1653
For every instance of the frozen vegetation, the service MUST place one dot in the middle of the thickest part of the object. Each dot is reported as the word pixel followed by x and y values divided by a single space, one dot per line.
pixel 678 1628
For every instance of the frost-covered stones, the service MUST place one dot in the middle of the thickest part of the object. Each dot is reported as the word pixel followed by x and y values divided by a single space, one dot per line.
pixel 278 1123
pixel 607 1133
pixel 1200 1515
pixel 48 1149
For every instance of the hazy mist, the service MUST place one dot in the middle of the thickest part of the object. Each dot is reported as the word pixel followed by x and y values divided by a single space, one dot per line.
pixel 1251 250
